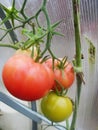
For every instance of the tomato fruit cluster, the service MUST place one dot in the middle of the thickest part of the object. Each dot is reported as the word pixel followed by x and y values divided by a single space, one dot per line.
pixel 29 80
pixel 57 107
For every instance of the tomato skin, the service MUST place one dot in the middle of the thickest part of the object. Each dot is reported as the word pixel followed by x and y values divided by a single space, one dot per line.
pixel 64 76
pixel 23 52
pixel 56 108
pixel 27 52
pixel 26 79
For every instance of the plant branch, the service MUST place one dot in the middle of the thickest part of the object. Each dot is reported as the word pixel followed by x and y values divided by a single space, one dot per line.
pixel 22 9
pixel 46 13
pixel 49 37
pixel 9 45
pixel 9 30
pixel 13 5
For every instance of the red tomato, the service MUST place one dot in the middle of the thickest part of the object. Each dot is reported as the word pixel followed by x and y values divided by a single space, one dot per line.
pixel 64 77
pixel 26 79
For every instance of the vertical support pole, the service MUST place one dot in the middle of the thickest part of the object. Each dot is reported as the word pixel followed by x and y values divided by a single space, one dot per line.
pixel 34 108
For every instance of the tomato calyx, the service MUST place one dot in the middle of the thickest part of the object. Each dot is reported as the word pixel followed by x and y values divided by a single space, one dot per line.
pixel 61 91
pixel 63 73
pixel 62 63
pixel 45 58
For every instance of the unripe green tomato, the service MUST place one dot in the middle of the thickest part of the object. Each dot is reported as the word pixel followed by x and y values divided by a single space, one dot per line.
pixel 56 108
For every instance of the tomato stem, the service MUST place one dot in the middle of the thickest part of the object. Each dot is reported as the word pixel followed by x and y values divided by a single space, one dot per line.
pixel 77 60
pixel 9 45
pixel 67 124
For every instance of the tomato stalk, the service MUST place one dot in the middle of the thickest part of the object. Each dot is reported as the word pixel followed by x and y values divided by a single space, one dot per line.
pixel 22 9
pixel 78 62
pixel 9 45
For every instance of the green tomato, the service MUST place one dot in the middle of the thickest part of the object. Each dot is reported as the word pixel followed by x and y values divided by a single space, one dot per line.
pixel 56 108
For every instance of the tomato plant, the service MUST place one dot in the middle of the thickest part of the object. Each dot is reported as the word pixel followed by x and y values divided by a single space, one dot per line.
pixel 64 75
pixel 26 79
pixel 56 108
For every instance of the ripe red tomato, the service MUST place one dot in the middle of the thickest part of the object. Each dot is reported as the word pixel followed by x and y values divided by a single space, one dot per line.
pixel 64 77
pixel 26 79
pixel 56 108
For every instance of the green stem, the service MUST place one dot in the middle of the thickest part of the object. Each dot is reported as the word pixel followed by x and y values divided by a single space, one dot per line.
pixel 67 124
pixel 47 47
pixel 77 59
pixel 46 13
pixel 13 5
pixel 36 17
pixel 77 31
pixel 32 17
pixel 49 37
pixel 44 3
pixel 22 9
pixel 23 6
pixel 9 45
pixel 9 30
pixel 76 105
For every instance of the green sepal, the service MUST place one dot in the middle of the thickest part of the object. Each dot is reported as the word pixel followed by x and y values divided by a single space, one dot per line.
pixel 59 34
